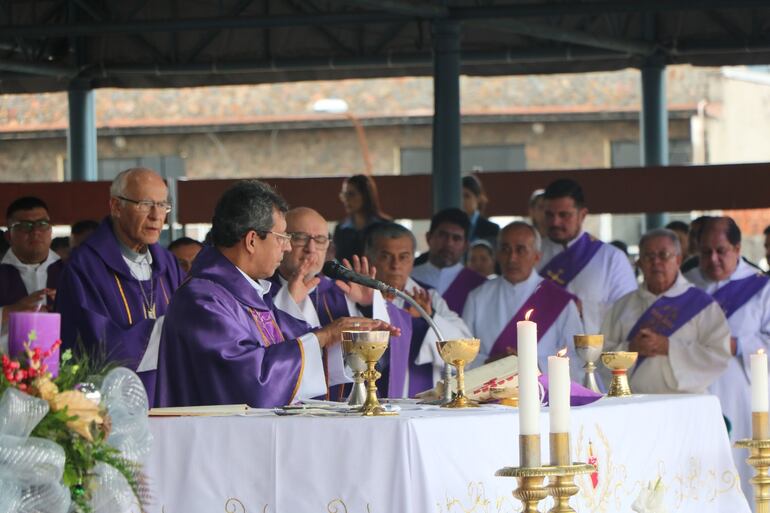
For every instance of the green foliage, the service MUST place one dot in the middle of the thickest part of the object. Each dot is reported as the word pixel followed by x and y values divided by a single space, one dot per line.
pixel 82 455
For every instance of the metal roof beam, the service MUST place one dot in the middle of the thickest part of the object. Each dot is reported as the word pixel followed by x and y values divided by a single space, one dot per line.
pixel 553 33
pixel 38 69
pixel 402 8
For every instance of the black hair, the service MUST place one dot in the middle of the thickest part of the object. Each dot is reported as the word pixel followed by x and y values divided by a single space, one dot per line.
pixel 25 203
pixel 678 226
pixel 247 205
pixel 451 215
pixel 565 188
pixel 183 241
pixel 84 226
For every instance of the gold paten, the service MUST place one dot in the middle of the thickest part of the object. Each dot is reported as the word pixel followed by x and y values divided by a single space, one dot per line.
pixel 458 353
pixel 619 362
pixel 370 346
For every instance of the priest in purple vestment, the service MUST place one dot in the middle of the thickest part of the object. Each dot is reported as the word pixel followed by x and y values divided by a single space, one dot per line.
pixel 224 340
pixel 444 271
pixel 29 271
pixel 118 283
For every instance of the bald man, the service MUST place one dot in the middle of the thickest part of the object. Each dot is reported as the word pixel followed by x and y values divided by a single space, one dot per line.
pixel 117 285
pixel 298 289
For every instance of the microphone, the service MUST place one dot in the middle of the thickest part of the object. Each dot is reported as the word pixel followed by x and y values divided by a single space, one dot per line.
pixel 336 271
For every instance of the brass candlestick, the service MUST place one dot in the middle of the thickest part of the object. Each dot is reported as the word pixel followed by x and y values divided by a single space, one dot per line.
pixel 370 346
pixel 561 486
pixel 529 474
pixel 459 353
pixel 589 348
pixel 619 362
pixel 759 458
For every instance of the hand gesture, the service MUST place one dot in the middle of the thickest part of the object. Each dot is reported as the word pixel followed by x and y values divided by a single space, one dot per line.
pixel 649 343
pixel 32 303
pixel 299 283
pixel 422 297
pixel 332 333
pixel 358 293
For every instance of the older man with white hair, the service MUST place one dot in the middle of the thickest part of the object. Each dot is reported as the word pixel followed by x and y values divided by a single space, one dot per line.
pixel 493 309
pixel 678 330
pixel 117 285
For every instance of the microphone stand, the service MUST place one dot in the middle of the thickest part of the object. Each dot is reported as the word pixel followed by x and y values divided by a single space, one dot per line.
pixel 447 368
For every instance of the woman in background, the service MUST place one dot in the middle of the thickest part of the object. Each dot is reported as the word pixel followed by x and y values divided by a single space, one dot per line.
pixel 474 201
pixel 362 205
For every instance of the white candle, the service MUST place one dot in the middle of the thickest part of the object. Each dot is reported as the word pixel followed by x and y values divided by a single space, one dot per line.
pixel 529 393
pixel 759 382
pixel 558 392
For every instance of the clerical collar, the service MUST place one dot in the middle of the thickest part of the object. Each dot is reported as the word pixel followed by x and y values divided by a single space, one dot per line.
pixel 10 258
pixel 262 286
pixel 133 256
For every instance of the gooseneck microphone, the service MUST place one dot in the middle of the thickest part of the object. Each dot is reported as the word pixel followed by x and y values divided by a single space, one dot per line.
pixel 336 271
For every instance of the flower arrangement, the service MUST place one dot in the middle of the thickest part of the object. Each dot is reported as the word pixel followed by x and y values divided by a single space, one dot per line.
pixel 66 445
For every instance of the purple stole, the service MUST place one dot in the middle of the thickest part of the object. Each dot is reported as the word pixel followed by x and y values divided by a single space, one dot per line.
pixel 667 314
pixel 12 288
pixel 399 349
pixel 548 301
pixel 457 292
pixel 563 268
pixel 737 293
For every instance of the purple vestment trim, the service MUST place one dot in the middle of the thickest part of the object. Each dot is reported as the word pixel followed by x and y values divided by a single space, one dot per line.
pixel 578 394
pixel 737 293
pixel 398 362
pixel 667 314
pixel 457 293
pixel 563 268
pixel 547 302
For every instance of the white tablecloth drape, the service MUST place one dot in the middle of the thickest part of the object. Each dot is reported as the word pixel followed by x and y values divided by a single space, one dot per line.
pixel 437 461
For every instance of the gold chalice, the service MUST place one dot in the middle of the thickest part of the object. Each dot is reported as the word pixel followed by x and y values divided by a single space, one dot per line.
pixel 619 362
pixel 458 353
pixel 369 346
pixel 589 348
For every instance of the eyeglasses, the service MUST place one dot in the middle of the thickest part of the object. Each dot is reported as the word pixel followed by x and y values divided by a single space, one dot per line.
pixel 302 239
pixel 282 238
pixel 41 225
pixel 663 256
pixel 145 206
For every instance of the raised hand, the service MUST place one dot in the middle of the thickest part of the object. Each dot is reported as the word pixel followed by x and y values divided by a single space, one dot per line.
pixel 301 282
pixel 358 293
pixel 423 299
pixel 32 303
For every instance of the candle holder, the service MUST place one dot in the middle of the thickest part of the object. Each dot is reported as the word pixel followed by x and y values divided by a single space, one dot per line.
pixel 561 486
pixel 759 458
pixel 530 474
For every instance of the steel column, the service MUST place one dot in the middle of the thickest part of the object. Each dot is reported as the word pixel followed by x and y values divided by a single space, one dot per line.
pixel 81 134
pixel 446 118
pixel 653 126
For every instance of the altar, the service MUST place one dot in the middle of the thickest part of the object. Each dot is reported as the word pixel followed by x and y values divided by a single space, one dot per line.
pixel 437 460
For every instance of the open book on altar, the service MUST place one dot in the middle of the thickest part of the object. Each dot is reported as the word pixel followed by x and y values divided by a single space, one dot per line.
pixel 201 411
pixel 490 381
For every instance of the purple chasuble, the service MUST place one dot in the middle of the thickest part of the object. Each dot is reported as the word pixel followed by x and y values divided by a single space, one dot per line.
pixel 733 295
pixel 104 306
pixel 12 287
pixel 457 293
pixel 667 314
pixel 224 344
pixel 578 394
pixel 547 302
pixel 563 268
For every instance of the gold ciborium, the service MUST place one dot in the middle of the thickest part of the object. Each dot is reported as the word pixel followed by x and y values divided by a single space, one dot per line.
pixel 589 348
pixel 619 362
pixel 459 353
pixel 370 346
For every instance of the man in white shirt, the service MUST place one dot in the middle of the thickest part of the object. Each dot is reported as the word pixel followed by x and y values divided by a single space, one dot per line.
pixel 390 248
pixel 29 271
pixel 744 295
pixel 493 309
pixel 444 270
pixel 680 332
pixel 597 273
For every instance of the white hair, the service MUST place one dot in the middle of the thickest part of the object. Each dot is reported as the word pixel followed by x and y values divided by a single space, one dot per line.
pixel 661 232
pixel 118 186
pixel 537 242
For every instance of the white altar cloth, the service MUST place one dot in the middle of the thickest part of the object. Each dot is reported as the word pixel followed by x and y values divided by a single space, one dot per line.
pixel 437 461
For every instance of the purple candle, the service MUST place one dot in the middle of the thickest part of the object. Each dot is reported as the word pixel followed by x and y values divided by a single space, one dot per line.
pixel 39 330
